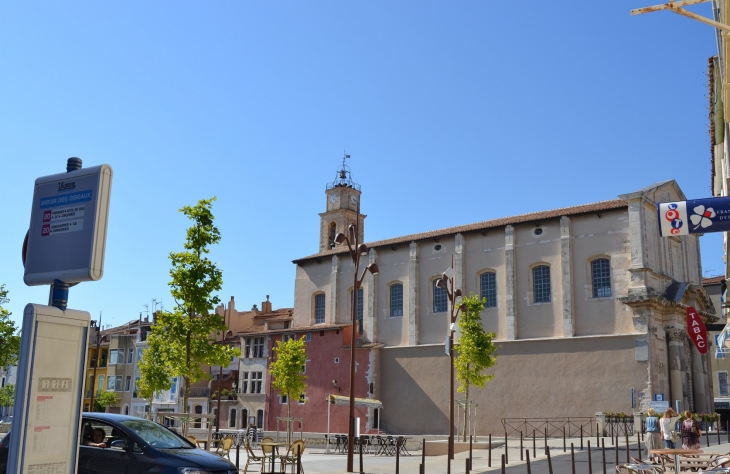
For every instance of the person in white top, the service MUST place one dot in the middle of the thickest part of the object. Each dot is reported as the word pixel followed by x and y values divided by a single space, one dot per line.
pixel 667 424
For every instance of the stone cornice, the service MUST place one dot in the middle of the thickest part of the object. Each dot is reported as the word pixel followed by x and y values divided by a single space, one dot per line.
pixel 658 302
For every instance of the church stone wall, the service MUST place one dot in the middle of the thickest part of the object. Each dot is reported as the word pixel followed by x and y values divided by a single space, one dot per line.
pixel 556 378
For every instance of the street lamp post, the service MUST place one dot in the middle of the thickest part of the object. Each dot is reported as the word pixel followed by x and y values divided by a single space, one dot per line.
pixel 356 251
pixel 447 282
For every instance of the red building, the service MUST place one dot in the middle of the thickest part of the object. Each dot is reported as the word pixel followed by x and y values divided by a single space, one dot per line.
pixel 328 373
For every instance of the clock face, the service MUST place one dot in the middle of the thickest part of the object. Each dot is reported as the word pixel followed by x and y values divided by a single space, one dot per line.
pixel 353 199
pixel 333 198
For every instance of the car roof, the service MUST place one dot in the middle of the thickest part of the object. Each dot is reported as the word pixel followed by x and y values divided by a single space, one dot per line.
pixel 108 416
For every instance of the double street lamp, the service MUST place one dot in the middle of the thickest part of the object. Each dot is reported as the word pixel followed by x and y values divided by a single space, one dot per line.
pixel 357 250
pixel 447 283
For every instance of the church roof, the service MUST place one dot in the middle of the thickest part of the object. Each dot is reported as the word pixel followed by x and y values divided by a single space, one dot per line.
pixel 483 225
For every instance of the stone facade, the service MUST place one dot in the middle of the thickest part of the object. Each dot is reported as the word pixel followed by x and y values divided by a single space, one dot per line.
pixel 567 349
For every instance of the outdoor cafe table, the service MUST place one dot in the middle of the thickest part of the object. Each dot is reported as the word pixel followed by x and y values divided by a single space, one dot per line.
pixel 676 453
pixel 274 451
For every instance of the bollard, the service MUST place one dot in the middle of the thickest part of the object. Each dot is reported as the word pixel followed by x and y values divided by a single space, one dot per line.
pixel 527 452
pixel 522 456
pixel 420 469
pixel 299 462
pixel 397 454
pixel 628 454
pixel 638 445
pixel 489 461
pixel 590 463
pixel 466 468
pixel 546 440
pixel 718 433
pixel 572 459
pixel 238 450
pixel 727 430
pixel 506 456
pixel 707 435
pixel 597 441
pixel 423 455
pixel 603 455
pixel 581 437
pixel 503 470
pixel 470 453
pixel 534 445
pixel 564 448
pixel 550 463
pixel 362 471
pixel 616 448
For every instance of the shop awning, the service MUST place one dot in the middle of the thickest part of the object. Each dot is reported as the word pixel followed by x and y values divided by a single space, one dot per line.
pixel 359 402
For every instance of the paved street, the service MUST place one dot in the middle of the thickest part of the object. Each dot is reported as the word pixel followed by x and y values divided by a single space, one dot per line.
pixel 315 461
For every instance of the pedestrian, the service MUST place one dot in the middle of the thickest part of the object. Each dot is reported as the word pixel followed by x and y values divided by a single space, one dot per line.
pixel 652 433
pixel 667 424
pixel 691 432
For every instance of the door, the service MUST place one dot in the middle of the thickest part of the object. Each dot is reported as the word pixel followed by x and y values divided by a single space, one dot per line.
pixel 96 454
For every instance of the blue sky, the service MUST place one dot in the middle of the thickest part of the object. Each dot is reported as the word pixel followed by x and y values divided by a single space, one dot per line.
pixel 453 112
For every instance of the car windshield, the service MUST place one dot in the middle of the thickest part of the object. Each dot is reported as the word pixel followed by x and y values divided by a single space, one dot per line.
pixel 155 435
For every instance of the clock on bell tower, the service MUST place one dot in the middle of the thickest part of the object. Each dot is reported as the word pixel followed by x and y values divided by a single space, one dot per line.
pixel 343 208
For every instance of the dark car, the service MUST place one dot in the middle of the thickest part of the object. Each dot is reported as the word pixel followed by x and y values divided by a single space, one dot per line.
pixel 139 446
pixel 4 439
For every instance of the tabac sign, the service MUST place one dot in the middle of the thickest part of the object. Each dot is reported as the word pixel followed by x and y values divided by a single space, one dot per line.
pixel 698 216
pixel 697 330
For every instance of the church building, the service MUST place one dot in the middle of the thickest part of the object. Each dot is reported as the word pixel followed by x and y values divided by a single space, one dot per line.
pixel 588 305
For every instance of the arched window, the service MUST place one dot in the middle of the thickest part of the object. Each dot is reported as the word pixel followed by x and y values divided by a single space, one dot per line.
pixel 333 232
pixel 440 304
pixel 232 419
pixel 396 299
pixel 244 418
pixel 488 288
pixel 601 277
pixel 359 304
pixel 541 284
pixel 319 308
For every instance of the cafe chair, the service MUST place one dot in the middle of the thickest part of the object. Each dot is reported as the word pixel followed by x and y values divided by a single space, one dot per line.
pixel 224 448
pixel 297 447
pixel 252 458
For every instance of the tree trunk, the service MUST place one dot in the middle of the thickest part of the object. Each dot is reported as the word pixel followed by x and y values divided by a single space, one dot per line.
pixel 466 410
pixel 289 424
pixel 186 380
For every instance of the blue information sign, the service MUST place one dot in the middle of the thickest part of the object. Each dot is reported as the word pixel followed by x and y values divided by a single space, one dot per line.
pixel 698 216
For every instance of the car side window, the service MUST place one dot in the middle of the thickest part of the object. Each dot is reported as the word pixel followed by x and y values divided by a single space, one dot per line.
pixel 97 434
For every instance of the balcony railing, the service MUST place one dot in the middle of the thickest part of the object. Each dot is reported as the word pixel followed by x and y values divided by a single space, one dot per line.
pixel 92 363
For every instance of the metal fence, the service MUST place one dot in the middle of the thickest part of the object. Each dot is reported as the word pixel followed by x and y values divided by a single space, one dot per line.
pixel 552 426
pixel 619 426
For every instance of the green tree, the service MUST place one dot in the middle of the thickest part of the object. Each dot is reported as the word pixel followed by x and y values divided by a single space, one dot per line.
pixel 7 395
pixel 105 398
pixel 182 340
pixel 475 350
pixel 154 376
pixel 9 337
pixel 287 373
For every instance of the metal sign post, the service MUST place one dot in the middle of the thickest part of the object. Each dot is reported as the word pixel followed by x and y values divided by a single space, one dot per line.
pixel 64 246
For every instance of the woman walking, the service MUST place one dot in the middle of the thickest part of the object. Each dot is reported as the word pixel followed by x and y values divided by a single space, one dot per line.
pixel 666 424
pixel 691 432
pixel 652 433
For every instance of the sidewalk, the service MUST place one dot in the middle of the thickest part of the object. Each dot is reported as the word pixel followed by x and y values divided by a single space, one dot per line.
pixel 315 461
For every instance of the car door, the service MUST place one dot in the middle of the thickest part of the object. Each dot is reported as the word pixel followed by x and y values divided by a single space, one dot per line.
pixel 101 460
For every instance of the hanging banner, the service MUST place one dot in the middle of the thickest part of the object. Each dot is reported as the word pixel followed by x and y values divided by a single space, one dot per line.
pixel 698 216
pixel 697 330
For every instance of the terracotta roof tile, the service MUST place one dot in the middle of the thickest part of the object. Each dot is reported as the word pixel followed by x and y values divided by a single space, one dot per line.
pixel 478 226
pixel 712 280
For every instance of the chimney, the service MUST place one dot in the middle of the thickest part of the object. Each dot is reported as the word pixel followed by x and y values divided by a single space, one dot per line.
pixel 266 305
pixel 232 306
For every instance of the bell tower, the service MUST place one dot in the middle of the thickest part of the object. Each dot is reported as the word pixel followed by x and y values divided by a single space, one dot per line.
pixel 343 208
